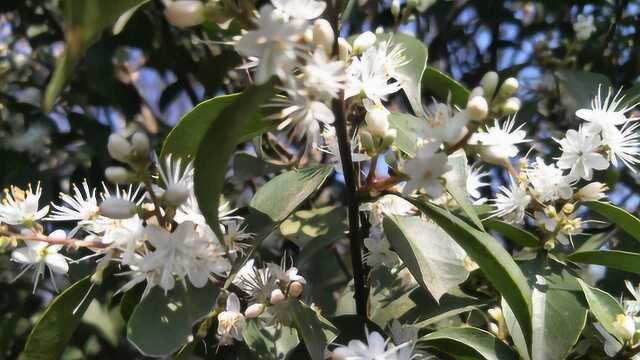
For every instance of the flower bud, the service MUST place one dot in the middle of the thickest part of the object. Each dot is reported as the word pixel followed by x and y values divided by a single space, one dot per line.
pixel 568 208
pixel 496 314
pixel 377 120
pixel 308 35
pixel 185 13
pixel 367 142
pixel 592 192
pixel 344 49
pixel 494 328
pixel 476 91
pixel 363 42
pixel 323 35
pixel 477 108
pixel 295 289
pixel 277 296
pixel 140 143
pixel 254 310
pixel 489 83
pixel 388 138
pixel 469 264
pixel 176 194
pixel 492 155
pixel 395 8
pixel 58 235
pixel 511 106
pixel 118 175
pixel 117 208
pixel 119 148
pixel 625 326
pixel 508 88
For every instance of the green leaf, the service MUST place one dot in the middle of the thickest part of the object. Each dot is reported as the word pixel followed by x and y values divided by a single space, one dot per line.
pixel 316 331
pixel 84 21
pixel 284 193
pixel 407 126
pixel 269 342
pixel 577 88
pixel 441 85
pixel 558 319
pixel 185 137
pixel 456 185
pixel 495 262
pixel 515 234
pixel 519 341
pixel 126 16
pixel 416 54
pixel 458 341
pixel 432 257
pixel 217 146
pixel 603 306
pixel 161 323
pixel 615 259
pixel 625 221
pixel 632 95
pixel 54 329
pixel 248 166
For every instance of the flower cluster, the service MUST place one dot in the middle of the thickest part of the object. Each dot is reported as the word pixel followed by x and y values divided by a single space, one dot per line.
pixel 401 347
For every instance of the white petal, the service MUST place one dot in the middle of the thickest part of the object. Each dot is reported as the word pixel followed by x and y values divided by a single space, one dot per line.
pixel 24 255
pixel 57 263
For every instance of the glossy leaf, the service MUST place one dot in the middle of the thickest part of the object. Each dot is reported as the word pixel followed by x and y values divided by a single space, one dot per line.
pixel 185 137
pixel 456 185
pixel 56 326
pixel 441 85
pixel 495 262
pixel 432 257
pixel 269 342
pixel 621 217
pixel 456 340
pixel 161 323
pixel 519 341
pixel 603 306
pixel 315 331
pixel 217 146
pixel 284 193
pixel 615 259
pixel 407 126
pixel 577 88
pixel 513 233
pixel 558 319
pixel 84 22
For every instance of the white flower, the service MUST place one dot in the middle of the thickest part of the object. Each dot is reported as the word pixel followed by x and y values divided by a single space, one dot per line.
pixel 549 182
pixel 499 142
pixel 624 144
pixel 592 192
pixel 257 283
pixel 376 348
pixel 41 256
pixel 177 180
pixel 625 326
pixel 605 114
pixel 285 276
pixel 371 74
pixel 511 203
pixel 584 27
pixel 190 211
pixel 426 169
pixel 380 253
pixel 82 206
pixel 475 175
pixel 324 77
pixel 580 153
pixel 274 43
pixel 377 118
pixel 20 207
pixel 301 9
pixel 231 322
pixel 444 123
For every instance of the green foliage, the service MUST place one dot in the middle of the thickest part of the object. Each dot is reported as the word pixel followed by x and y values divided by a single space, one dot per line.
pixel 161 322
pixel 443 87
pixel 468 343
pixel 56 326
pixel 603 307
pixel 314 330
pixel 622 218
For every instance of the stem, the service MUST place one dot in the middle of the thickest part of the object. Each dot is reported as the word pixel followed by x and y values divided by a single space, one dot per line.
pixel 344 146
pixel 65 242
pixel 156 202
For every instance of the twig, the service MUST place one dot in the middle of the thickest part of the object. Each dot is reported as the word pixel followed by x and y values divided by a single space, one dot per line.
pixel 65 242
pixel 355 239
pixel 154 199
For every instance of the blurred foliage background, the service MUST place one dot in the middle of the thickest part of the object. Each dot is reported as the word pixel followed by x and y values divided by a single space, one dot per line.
pixel 150 73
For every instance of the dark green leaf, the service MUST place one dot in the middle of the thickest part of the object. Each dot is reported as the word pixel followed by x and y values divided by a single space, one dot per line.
pixel 515 234
pixel 455 340
pixel 627 222
pixel 269 342
pixel 218 144
pixel 441 85
pixel 603 306
pixel 185 137
pixel 496 263
pixel 621 260
pixel 579 87
pixel 161 323
pixel 54 329
pixel 316 331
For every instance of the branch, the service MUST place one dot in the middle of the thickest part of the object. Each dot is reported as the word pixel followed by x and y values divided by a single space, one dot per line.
pixel 66 242
pixel 344 146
